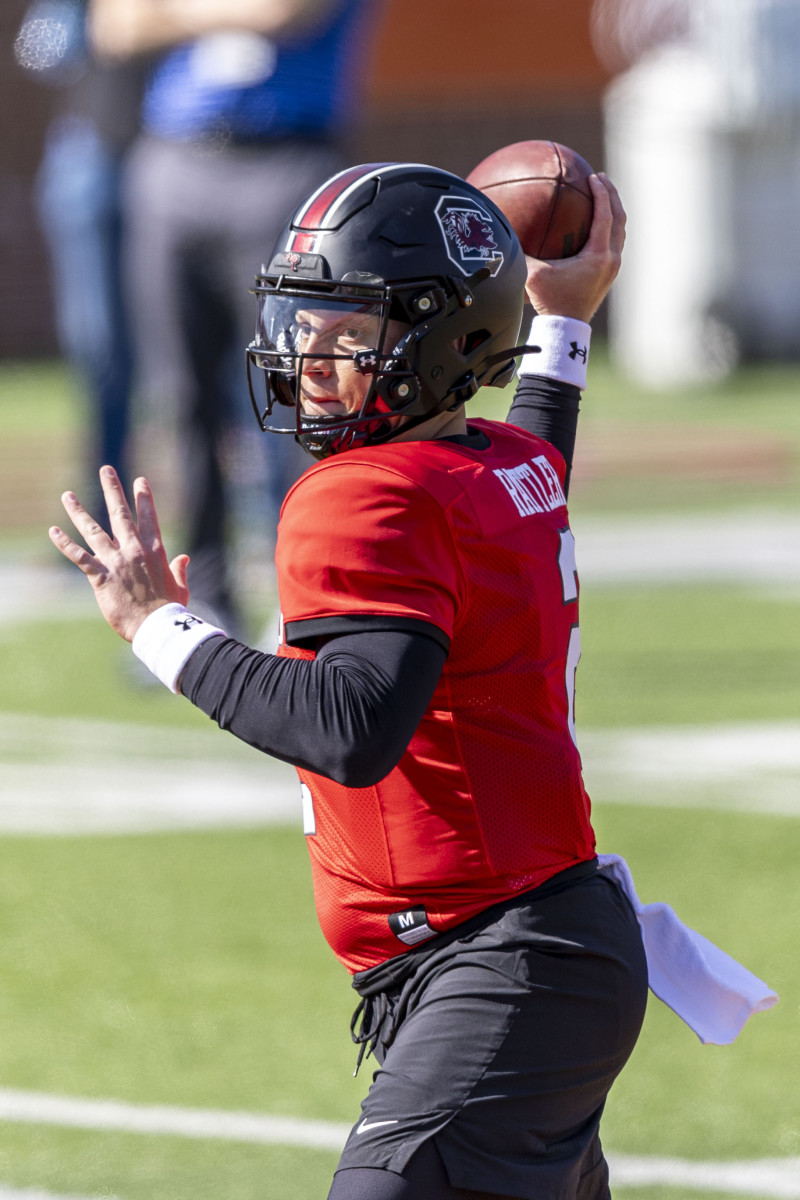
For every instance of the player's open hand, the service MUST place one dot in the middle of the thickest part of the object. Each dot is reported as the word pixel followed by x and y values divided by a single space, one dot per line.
pixel 577 286
pixel 128 568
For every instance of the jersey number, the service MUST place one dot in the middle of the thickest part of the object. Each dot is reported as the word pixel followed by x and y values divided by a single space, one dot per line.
pixel 569 592
pixel 309 816
pixel 573 658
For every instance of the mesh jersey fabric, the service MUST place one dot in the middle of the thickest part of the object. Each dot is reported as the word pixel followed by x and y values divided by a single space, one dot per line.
pixel 488 799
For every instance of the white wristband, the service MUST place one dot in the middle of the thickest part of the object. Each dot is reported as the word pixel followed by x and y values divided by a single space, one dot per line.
pixel 564 353
pixel 166 640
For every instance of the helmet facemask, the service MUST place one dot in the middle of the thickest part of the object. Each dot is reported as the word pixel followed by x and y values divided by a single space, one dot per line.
pixel 325 355
pixel 350 360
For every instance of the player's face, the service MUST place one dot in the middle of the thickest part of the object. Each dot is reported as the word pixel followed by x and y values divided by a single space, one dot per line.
pixel 330 383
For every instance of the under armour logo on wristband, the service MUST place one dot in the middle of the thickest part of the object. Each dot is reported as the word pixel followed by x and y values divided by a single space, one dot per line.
pixel 577 351
pixel 187 622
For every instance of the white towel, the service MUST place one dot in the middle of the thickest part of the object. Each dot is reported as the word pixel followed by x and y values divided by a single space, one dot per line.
pixel 713 993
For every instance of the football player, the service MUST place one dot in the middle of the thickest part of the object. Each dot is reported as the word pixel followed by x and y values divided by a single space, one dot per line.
pixel 424 684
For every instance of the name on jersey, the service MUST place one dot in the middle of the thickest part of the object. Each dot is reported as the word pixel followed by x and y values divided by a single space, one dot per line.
pixel 534 486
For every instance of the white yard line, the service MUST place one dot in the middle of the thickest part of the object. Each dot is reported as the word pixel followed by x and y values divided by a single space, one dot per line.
pixel 100 797
pixel 751 767
pixel 72 776
pixel 779 1178
pixel 756 546
pixel 39 1108
pixel 767 1177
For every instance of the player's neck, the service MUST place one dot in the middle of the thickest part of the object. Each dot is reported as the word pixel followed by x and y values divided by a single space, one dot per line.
pixel 446 424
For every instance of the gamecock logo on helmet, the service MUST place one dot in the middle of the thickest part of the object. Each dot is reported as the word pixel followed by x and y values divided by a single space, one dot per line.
pixel 468 231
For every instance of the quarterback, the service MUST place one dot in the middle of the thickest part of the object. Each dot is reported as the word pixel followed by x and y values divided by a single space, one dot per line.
pixel 424 684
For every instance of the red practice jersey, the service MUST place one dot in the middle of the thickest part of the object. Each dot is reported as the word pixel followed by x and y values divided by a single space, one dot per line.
pixel 488 799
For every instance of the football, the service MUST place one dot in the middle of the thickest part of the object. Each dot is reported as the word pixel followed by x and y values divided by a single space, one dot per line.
pixel 543 189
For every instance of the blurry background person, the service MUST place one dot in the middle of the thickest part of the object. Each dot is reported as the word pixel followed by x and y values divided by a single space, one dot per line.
pixel 243 116
pixel 703 139
pixel 78 193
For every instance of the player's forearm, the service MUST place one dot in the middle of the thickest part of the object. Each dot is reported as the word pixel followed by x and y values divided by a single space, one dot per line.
pixel 549 409
pixel 122 29
pixel 349 714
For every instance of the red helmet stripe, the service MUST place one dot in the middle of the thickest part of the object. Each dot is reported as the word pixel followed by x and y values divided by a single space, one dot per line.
pixel 313 212
pixel 302 243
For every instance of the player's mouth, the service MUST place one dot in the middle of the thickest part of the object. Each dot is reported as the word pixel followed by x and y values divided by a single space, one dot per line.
pixel 323 406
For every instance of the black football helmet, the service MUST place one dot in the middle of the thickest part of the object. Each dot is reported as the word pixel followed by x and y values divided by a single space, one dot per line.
pixel 416 280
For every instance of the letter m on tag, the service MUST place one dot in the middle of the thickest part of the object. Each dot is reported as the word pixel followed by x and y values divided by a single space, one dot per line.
pixel 411 926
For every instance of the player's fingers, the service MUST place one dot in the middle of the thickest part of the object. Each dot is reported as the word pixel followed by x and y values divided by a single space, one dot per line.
pixel 123 526
pixel 146 515
pixel 90 530
pixel 618 215
pixel 617 206
pixel 86 562
pixel 178 567
pixel 603 218
pixel 607 235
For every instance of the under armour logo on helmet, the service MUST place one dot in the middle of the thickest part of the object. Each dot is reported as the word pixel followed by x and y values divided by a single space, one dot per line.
pixel 578 352
pixel 366 361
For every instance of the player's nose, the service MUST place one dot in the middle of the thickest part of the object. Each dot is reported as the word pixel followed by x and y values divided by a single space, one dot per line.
pixel 316 347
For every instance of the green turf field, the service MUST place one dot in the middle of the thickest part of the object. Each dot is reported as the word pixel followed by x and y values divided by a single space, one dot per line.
pixel 186 968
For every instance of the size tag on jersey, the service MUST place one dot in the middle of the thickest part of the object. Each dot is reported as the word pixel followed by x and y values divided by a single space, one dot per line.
pixel 411 926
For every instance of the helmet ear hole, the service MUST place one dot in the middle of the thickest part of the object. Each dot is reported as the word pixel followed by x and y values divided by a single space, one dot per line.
pixel 475 339
pixel 405 391
pixel 283 389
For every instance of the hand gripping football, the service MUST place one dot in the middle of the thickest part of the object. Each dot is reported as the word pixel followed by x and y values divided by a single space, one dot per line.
pixel 543 189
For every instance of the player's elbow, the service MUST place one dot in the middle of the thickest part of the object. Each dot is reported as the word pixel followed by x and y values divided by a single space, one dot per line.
pixel 364 765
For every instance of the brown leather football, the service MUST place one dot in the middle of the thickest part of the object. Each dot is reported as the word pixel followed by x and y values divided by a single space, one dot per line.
pixel 543 189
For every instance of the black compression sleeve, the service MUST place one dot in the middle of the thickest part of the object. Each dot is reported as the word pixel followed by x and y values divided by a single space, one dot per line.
pixel 549 409
pixel 348 714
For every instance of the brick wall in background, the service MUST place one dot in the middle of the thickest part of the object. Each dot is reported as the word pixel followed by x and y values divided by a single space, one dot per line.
pixel 447 86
